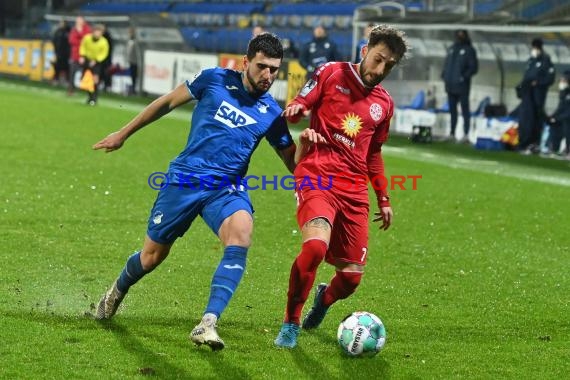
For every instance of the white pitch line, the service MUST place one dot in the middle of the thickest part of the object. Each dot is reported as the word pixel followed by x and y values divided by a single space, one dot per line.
pixel 504 169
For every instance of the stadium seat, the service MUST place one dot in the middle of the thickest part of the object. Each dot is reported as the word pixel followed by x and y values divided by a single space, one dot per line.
pixel 418 102
pixel 481 107
pixel 125 8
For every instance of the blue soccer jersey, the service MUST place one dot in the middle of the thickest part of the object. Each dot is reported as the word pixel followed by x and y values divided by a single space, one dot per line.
pixel 227 125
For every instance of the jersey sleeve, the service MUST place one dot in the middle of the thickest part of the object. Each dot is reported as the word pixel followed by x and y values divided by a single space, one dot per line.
pixel 382 130
pixel 200 82
pixel 278 134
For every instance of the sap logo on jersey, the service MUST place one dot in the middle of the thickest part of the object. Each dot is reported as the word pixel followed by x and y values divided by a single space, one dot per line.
pixel 232 117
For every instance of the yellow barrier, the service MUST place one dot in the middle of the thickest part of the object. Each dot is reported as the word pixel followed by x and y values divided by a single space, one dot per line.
pixel 48 56
pixel 296 79
pixel 27 58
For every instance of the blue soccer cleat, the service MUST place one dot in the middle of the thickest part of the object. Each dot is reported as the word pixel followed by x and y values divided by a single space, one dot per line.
pixel 287 337
pixel 317 313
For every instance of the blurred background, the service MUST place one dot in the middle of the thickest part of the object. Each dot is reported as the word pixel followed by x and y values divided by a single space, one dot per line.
pixel 176 38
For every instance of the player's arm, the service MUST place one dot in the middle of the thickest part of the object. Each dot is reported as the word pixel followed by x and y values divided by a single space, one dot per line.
pixel 307 138
pixel 309 95
pixel 154 111
pixel 293 153
pixel 287 155
pixel 375 164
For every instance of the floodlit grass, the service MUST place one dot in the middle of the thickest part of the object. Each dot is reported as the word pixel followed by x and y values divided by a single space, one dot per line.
pixel 471 281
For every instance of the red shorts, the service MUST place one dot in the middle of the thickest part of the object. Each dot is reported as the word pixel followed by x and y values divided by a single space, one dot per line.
pixel 348 218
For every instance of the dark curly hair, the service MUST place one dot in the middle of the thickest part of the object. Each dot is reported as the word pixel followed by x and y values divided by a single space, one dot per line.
pixel 394 39
pixel 267 43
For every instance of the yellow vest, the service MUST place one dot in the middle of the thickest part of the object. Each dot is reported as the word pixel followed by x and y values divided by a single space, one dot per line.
pixel 94 50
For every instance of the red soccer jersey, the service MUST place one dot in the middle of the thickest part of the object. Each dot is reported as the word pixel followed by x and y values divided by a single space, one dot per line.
pixel 75 37
pixel 351 118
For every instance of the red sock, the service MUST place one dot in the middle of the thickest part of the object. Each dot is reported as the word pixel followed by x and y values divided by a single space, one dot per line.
pixel 342 285
pixel 302 277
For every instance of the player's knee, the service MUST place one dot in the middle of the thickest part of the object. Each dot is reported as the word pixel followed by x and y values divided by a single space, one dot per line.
pixel 237 230
pixel 151 258
pixel 350 281
pixel 239 237
pixel 313 252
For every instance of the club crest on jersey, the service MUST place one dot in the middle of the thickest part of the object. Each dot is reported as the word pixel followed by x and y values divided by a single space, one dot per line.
pixel 307 88
pixel 262 107
pixel 375 111
pixel 232 117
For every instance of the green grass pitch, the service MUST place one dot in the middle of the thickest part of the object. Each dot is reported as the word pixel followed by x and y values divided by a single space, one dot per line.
pixel 471 281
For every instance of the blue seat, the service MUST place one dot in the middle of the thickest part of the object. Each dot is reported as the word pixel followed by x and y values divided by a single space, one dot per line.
pixel 125 8
pixel 444 108
pixel 481 107
pixel 218 8
pixel 418 102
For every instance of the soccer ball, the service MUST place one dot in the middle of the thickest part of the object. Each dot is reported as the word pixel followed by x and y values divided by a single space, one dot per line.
pixel 361 334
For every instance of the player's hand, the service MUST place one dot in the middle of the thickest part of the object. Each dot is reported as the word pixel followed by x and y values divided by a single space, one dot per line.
pixel 309 137
pixel 385 215
pixel 110 143
pixel 294 112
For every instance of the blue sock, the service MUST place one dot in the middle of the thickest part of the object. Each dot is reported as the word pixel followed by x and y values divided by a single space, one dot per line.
pixel 132 272
pixel 226 279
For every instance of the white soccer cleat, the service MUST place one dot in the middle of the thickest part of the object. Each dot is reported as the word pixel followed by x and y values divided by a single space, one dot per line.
pixel 205 333
pixel 109 303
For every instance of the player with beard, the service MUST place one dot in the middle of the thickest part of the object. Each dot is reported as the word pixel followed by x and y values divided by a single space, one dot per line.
pixel 233 114
pixel 351 110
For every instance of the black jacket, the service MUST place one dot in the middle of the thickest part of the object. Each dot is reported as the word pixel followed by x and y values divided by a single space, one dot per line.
pixel 60 42
pixel 562 112
pixel 460 65
pixel 541 70
pixel 316 52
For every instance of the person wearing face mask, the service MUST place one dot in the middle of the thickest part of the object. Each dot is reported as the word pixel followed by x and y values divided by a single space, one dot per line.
pixel 560 120
pixel 460 66
pixel 317 51
pixel 93 51
pixel 532 90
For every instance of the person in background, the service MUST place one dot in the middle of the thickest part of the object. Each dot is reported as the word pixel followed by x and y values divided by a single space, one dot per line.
pixel 460 65
pixel 107 76
pixel 258 29
pixel 80 30
pixel 93 51
pixel 317 51
pixel 532 90
pixel 62 49
pixel 133 54
pixel 560 120
pixel 289 49
pixel 363 42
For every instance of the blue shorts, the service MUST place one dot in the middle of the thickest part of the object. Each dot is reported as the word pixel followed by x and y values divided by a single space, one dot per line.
pixel 176 207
